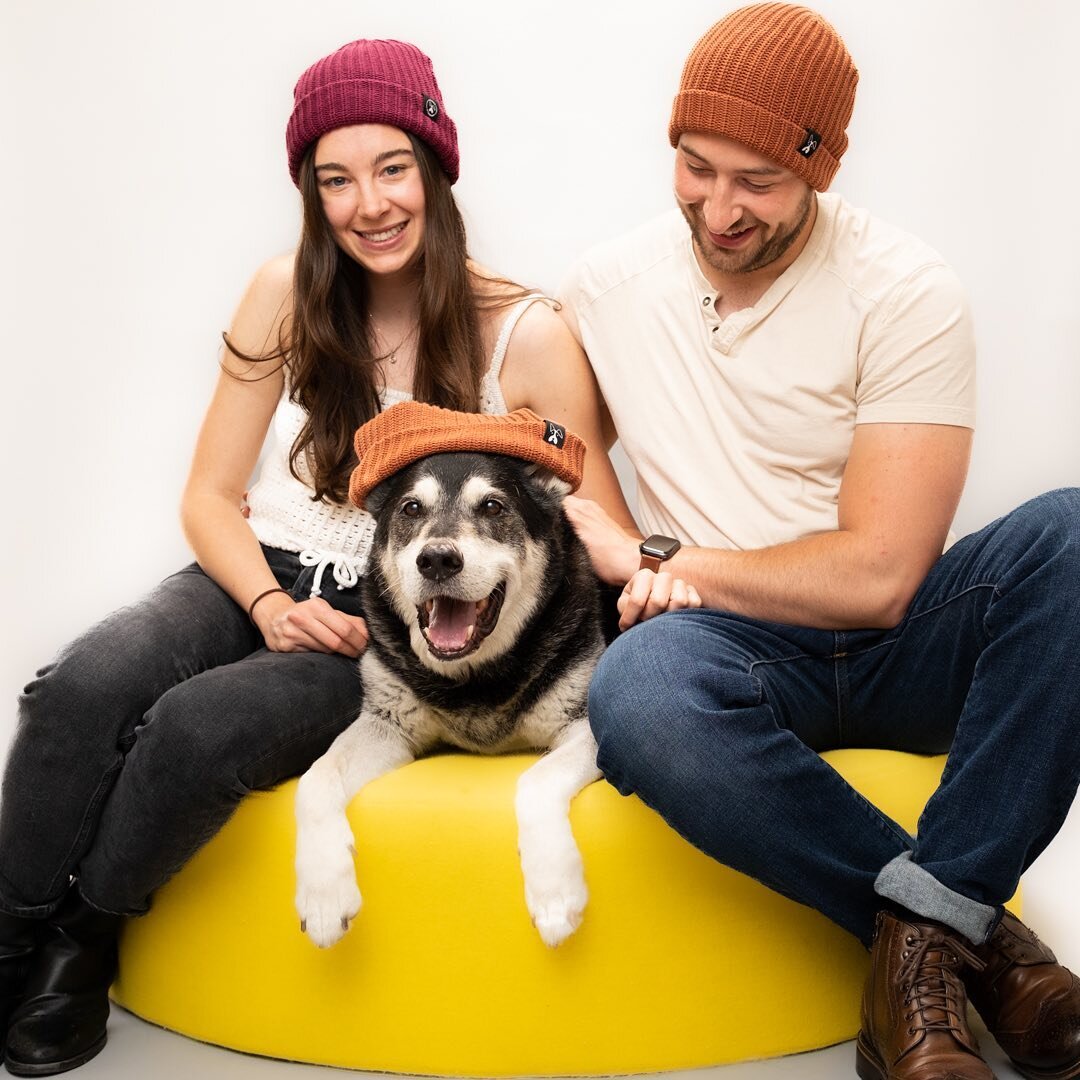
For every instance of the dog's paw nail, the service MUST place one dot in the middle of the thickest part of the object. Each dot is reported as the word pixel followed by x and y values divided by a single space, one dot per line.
pixel 344 922
pixel 303 926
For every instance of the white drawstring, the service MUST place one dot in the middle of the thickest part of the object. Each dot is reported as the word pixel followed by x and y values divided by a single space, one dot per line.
pixel 344 573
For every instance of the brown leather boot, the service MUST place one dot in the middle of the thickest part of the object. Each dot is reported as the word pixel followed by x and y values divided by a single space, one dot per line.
pixel 914 1010
pixel 1028 1001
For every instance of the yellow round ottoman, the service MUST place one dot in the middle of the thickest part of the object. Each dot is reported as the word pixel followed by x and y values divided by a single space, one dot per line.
pixel 442 972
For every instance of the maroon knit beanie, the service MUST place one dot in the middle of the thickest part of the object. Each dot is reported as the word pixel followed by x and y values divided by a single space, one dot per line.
pixel 371 82
pixel 777 78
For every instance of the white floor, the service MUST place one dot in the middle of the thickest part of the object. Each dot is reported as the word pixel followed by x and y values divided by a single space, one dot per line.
pixel 137 1049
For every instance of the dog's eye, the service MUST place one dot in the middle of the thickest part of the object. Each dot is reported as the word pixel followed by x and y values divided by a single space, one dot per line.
pixel 410 508
pixel 491 508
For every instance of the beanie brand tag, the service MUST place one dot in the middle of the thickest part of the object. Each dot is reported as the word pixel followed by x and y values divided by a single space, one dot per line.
pixel 554 434
pixel 431 107
pixel 810 143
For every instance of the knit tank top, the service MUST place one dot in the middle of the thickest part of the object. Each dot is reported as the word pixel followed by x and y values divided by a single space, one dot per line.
pixel 326 535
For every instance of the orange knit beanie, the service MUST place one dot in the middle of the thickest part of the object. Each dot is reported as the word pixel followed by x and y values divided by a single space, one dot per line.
pixel 777 78
pixel 406 432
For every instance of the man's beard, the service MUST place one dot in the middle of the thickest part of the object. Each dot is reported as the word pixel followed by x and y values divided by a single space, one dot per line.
pixel 769 252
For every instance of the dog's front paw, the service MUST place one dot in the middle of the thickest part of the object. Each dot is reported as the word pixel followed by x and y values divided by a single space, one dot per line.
pixel 555 895
pixel 556 917
pixel 327 896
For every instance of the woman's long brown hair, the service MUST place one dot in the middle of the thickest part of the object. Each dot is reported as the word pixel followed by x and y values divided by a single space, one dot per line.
pixel 327 345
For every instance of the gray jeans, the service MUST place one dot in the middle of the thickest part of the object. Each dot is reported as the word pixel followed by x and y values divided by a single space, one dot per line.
pixel 135 745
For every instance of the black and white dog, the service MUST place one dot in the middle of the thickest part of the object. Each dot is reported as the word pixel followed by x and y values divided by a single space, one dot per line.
pixel 484 619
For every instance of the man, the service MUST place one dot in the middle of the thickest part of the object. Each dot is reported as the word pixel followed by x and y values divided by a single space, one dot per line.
pixel 793 382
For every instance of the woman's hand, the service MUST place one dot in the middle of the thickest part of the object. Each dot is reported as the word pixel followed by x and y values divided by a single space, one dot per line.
pixel 648 594
pixel 309 626
pixel 612 549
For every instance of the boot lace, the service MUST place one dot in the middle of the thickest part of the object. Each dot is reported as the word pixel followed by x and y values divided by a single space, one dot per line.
pixel 929 976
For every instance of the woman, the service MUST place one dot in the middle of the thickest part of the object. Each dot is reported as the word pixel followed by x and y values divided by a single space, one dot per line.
pixel 135 745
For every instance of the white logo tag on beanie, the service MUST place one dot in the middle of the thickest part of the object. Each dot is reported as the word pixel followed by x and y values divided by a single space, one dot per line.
pixel 554 434
pixel 810 144
pixel 431 107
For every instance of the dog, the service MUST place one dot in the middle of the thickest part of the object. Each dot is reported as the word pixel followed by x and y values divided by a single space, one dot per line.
pixel 484 618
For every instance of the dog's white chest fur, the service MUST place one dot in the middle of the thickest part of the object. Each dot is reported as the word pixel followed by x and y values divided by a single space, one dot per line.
pixel 485 631
pixel 504 730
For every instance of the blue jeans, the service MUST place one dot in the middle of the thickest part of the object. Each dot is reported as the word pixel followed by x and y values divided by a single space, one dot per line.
pixel 137 743
pixel 715 720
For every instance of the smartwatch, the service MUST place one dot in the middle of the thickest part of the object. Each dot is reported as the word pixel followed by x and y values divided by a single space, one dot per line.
pixel 657 549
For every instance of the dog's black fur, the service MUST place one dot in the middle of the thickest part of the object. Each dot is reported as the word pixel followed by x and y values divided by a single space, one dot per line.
pixel 566 622
pixel 485 626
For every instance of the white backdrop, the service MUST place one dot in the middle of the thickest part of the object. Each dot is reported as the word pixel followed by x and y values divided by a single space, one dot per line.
pixel 144 180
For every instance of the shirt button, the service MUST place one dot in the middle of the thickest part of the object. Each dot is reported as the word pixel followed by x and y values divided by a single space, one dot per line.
pixel 707 301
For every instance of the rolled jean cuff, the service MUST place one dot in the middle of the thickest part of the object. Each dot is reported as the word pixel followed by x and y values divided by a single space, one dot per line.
pixel 908 884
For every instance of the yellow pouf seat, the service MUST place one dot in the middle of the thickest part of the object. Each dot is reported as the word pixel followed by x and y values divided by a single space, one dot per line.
pixel 680 962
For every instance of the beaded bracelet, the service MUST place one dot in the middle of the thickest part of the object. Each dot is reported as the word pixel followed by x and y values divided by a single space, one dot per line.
pixel 251 606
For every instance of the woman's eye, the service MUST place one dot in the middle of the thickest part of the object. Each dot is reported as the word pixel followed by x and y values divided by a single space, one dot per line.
pixel 491 508
pixel 334 182
pixel 411 508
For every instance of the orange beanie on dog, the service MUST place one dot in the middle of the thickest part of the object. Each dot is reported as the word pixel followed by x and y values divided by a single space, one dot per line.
pixel 406 432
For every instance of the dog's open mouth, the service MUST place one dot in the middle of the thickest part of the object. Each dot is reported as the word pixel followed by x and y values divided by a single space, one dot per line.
pixel 454 628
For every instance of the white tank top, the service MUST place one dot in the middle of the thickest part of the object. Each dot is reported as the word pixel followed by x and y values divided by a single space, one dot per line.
pixel 327 535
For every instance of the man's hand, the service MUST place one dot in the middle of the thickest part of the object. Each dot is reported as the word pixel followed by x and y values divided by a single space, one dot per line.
pixel 612 549
pixel 648 594
pixel 309 626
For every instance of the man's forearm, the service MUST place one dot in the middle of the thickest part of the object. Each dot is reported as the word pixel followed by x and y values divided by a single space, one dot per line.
pixel 833 581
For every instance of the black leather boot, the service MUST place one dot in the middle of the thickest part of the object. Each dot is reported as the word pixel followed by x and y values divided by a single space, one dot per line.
pixel 17 939
pixel 60 1022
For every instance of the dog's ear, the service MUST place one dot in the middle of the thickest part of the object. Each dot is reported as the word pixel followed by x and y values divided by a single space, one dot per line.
pixel 377 497
pixel 544 480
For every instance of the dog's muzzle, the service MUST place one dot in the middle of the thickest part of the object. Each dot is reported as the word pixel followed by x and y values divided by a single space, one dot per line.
pixel 453 628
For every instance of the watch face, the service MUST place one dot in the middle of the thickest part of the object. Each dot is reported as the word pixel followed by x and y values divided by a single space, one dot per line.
pixel 660 547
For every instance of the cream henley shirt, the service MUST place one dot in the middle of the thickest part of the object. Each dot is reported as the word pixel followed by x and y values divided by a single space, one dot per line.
pixel 739 428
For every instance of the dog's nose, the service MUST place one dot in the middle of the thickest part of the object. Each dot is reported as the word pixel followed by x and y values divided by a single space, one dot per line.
pixel 439 560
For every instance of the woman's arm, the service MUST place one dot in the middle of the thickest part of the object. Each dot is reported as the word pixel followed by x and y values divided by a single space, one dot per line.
pixel 546 370
pixel 226 452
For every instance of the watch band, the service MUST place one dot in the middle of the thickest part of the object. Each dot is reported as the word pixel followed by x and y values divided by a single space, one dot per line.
pixel 656 550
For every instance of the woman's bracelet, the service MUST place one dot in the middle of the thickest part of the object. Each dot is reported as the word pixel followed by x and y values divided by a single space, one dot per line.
pixel 251 606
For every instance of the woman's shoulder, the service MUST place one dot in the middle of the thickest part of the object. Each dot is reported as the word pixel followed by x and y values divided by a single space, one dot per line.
pixel 274 279
pixel 264 308
pixel 488 285
pixel 540 327
pixel 270 291
pixel 499 297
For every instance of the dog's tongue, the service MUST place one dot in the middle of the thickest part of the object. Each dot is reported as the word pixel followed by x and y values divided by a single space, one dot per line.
pixel 450 624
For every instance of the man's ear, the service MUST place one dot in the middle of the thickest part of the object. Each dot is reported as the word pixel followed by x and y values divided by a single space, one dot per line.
pixel 546 481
